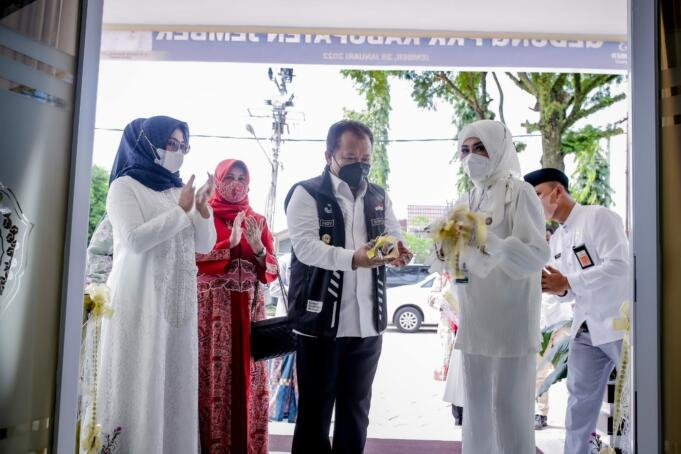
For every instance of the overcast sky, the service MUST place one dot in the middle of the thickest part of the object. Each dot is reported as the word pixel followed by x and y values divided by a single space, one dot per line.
pixel 214 99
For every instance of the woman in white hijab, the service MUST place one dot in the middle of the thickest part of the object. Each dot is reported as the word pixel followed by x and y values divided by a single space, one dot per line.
pixel 499 332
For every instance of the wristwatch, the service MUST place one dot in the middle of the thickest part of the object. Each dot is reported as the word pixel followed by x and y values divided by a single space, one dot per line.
pixel 262 252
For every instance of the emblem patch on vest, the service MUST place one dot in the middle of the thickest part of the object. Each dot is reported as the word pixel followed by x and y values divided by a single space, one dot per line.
pixel 378 221
pixel 328 209
pixel 326 223
pixel 314 306
pixel 379 207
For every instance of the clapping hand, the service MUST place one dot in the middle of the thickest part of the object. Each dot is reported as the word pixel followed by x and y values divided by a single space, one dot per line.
pixel 203 194
pixel 254 230
pixel 237 229
pixel 186 200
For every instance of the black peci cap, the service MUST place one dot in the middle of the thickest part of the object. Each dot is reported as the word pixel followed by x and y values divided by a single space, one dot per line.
pixel 545 175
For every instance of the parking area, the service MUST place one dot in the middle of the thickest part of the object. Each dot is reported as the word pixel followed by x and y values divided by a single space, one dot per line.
pixel 407 402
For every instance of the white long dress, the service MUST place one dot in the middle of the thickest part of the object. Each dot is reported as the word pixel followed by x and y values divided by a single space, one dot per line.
pixel 148 382
pixel 499 332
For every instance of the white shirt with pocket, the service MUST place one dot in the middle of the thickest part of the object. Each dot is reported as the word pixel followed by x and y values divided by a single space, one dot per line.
pixel 591 249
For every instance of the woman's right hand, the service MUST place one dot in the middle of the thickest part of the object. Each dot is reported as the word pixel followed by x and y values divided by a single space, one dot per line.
pixel 237 229
pixel 186 200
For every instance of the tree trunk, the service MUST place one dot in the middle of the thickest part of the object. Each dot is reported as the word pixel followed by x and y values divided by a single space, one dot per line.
pixel 552 150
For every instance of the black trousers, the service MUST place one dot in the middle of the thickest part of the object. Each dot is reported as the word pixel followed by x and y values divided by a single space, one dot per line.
pixel 339 371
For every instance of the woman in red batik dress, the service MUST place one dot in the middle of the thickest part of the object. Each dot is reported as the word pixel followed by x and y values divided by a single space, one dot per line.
pixel 233 389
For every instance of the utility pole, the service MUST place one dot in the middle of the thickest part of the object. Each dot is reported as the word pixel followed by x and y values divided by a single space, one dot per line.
pixel 279 113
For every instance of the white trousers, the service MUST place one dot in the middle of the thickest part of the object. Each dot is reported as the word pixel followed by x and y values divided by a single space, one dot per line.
pixel 589 368
pixel 499 405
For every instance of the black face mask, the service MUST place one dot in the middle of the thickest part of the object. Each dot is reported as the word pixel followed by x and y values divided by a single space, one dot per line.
pixel 353 174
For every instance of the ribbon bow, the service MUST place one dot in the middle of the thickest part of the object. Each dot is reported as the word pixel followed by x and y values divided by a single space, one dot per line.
pixel 97 301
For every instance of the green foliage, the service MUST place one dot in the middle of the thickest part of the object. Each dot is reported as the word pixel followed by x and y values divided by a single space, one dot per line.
pixel 420 246
pixel 99 187
pixel 466 91
pixel 420 221
pixel 375 87
pixel 558 355
pixel 562 100
pixel 590 182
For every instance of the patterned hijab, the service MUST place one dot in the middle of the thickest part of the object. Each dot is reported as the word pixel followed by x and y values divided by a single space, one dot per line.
pixel 222 208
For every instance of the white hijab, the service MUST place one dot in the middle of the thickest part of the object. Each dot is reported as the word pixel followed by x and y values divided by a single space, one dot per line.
pixel 498 142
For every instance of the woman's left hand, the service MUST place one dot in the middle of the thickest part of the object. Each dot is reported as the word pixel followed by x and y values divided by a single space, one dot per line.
pixel 203 194
pixel 254 230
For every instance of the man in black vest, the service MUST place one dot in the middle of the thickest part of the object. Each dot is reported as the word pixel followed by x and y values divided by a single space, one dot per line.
pixel 337 293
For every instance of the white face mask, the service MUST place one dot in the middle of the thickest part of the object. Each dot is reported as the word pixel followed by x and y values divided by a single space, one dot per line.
pixel 170 160
pixel 476 167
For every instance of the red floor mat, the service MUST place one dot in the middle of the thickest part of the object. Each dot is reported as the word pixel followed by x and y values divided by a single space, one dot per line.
pixel 282 443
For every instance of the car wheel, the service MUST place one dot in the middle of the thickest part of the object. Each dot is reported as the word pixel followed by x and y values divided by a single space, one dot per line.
pixel 408 319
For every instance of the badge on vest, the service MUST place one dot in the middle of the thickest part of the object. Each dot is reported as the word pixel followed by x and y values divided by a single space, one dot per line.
pixel 380 207
pixel 377 222
pixel 328 209
pixel 583 256
pixel 326 223
pixel 314 306
pixel 326 238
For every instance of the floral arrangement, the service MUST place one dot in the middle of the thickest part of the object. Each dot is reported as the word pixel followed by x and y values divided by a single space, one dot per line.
pixel 97 305
pixel 97 301
pixel 452 233
pixel 620 419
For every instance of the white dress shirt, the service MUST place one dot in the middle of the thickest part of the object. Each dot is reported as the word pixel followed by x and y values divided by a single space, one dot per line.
pixel 356 317
pixel 598 291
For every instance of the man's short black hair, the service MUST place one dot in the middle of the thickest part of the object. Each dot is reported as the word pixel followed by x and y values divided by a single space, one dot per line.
pixel 339 128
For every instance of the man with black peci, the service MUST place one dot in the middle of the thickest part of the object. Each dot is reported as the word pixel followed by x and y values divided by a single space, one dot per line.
pixel 590 266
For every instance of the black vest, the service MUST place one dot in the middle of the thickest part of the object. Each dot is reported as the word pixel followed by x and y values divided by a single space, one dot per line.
pixel 315 293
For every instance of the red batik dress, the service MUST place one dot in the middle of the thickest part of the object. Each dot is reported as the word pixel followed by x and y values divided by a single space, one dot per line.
pixel 233 389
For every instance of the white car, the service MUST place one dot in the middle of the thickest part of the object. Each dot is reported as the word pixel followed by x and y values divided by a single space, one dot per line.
pixel 408 307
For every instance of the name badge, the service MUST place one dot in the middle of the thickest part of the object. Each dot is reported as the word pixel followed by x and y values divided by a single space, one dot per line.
pixel 326 222
pixel 314 306
pixel 377 222
pixel 583 256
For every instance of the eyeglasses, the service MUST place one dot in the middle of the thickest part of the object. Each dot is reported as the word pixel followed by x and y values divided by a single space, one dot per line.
pixel 174 145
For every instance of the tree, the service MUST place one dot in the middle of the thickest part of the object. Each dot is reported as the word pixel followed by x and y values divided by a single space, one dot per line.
pixel 591 187
pixel 375 87
pixel 466 91
pixel 562 100
pixel 99 187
